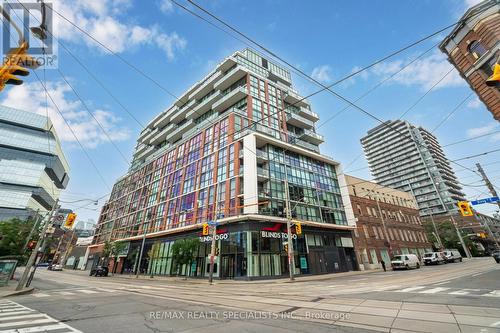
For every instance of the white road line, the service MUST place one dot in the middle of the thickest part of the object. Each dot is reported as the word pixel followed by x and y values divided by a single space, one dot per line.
pixel 17 316
pixel 463 291
pixel 24 319
pixel 40 329
pixel 411 289
pixel 65 293
pixel 494 293
pixel 86 291
pixel 433 290
pixel 2 315
pixel 440 283
pixel 387 288
pixel 40 295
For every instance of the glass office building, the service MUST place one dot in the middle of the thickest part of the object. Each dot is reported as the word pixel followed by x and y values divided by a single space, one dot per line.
pixel 33 168
pixel 229 143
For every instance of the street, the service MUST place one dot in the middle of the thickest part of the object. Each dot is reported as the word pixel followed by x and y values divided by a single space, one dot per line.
pixel 460 297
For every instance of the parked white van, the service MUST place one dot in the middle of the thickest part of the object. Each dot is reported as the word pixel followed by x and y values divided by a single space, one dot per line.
pixel 405 261
pixel 452 255
pixel 434 258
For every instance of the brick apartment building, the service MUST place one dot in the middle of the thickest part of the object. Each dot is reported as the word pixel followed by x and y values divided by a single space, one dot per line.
pixel 473 48
pixel 397 210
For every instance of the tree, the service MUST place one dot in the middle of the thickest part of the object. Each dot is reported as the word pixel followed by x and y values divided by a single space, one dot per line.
pixel 183 253
pixel 13 235
pixel 153 253
pixel 115 250
pixel 106 252
pixel 449 237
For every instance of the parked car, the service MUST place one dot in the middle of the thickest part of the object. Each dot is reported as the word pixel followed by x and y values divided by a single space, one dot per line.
pixel 452 255
pixel 496 256
pixel 434 258
pixel 99 271
pixel 405 261
pixel 55 267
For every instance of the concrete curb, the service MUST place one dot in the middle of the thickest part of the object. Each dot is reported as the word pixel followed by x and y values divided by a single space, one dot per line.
pixel 17 292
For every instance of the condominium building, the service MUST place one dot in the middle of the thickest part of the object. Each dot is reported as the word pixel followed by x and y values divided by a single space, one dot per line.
pixel 387 223
pixel 33 167
pixel 229 144
pixel 473 47
pixel 410 158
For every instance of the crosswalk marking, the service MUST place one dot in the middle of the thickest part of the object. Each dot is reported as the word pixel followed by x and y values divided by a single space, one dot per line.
pixel 40 295
pixel 433 290
pixel 16 318
pixel 65 293
pixel 463 291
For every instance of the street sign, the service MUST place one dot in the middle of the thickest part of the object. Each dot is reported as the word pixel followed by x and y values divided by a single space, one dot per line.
pixel 483 201
pixel 213 223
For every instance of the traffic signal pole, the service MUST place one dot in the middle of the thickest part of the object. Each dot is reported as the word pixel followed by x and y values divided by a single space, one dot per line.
pixel 39 248
pixel 493 193
pixel 291 258
pixel 214 233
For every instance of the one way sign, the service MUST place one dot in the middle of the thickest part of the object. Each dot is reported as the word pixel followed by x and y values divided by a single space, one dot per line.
pixel 483 201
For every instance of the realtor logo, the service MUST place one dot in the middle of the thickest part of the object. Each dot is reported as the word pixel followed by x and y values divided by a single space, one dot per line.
pixel 31 22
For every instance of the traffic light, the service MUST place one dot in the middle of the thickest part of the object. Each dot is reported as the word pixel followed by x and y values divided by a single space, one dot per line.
pixel 70 221
pixel 465 208
pixel 17 63
pixel 205 230
pixel 494 80
pixel 298 228
pixel 285 247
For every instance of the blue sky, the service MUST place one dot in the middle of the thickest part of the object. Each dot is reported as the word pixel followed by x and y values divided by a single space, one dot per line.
pixel 327 39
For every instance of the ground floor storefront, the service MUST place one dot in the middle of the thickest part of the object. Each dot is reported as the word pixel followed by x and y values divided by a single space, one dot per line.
pixel 246 250
pixel 371 257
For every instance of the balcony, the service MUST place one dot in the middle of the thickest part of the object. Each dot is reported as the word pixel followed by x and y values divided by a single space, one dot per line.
pixel 165 118
pixel 203 106
pixel 206 86
pixel 298 121
pixel 295 141
pixel 292 97
pixel 230 77
pixel 262 174
pixel 261 155
pixel 179 115
pixel 144 133
pixel 308 114
pixel 229 99
pixel 176 134
pixel 159 137
pixel 312 137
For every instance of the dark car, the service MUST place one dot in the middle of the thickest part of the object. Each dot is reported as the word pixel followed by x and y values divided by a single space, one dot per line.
pixel 99 271
pixel 496 256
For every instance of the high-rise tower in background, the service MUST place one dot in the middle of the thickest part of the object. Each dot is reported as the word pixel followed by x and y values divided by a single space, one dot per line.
pixel 231 141
pixel 410 159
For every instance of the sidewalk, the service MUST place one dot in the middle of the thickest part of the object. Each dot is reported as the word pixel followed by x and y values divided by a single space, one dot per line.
pixel 174 279
pixel 10 290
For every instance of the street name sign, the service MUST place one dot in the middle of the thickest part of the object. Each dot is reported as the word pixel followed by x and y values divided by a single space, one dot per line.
pixel 483 201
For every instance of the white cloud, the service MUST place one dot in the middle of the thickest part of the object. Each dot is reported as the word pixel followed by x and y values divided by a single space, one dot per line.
pixel 103 19
pixel 476 131
pixel 31 97
pixel 475 103
pixel 166 6
pixel 322 74
pixel 424 72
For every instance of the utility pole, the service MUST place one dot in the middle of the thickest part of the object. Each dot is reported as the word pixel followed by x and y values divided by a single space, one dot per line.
pixel 138 263
pixel 493 193
pixel 438 238
pixel 214 233
pixel 487 181
pixel 459 234
pixel 39 248
pixel 291 258
pixel 386 234
pixel 32 231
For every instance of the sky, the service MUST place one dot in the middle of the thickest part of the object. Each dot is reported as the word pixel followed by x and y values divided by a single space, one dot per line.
pixel 150 51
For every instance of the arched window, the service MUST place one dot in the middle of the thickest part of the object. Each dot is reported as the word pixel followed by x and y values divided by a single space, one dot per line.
pixel 477 49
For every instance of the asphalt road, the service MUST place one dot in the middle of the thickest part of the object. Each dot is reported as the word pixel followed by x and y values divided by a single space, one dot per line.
pixel 462 297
